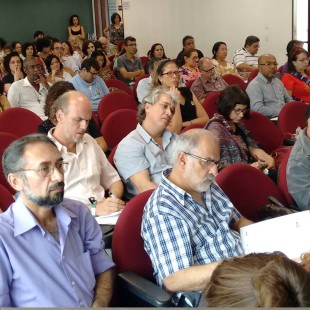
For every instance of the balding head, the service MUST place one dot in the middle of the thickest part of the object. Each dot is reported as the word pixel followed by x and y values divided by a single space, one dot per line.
pixel 267 65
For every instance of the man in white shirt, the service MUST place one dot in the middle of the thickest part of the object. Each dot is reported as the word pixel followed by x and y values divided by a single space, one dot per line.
pixel 89 174
pixel 30 92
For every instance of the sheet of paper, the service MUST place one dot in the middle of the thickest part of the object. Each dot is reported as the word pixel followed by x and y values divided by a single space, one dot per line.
pixel 288 234
pixel 110 219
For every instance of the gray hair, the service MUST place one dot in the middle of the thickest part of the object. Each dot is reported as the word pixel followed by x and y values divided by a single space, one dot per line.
pixel 13 156
pixel 152 98
pixel 187 142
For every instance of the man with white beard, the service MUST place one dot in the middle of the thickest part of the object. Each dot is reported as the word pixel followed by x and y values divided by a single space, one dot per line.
pixel 189 225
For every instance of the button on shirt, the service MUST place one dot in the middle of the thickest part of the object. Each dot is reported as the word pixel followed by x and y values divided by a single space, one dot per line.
pixel 179 233
pixel 267 97
pixel 94 91
pixel 89 173
pixel 137 152
pixel 37 271
pixel 23 95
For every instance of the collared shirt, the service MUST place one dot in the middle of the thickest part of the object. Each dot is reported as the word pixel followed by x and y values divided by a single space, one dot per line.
pixel 37 271
pixel 89 172
pixel 179 233
pixel 130 66
pixel 144 87
pixel 267 97
pixel 201 87
pixel 94 91
pixel 242 56
pixel 22 94
pixel 138 151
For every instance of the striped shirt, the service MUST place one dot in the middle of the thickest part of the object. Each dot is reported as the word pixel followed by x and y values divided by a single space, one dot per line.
pixel 179 233
pixel 243 56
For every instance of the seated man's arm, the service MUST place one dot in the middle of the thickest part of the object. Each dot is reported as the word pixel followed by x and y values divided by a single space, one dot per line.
pixel 245 67
pixel 14 96
pixel 103 289
pixel 141 180
pixel 6 278
pixel 239 62
pixel 193 278
pixel 241 223
pixel 125 73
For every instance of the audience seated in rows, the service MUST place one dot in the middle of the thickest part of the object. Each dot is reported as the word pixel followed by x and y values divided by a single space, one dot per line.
pixel 189 68
pixel 189 110
pixel 188 42
pixel 129 66
pixel 298 167
pixel 89 173
pixel 104 71
pixel 236 142
pixel 30 92
pixel 89 83
pixel 141 156
pixel 189 225
pixel 208 81
pixel 246 58
pixel 157 53
pixel 28 50
pixel 267 93
pixel 53 94
pixel 56 71
pixel 48 239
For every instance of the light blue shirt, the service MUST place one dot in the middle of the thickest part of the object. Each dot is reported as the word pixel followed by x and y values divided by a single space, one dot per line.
pixel 138 151
pixel 94 91
pixel 267 97
pixel 144 87
pixel 37 271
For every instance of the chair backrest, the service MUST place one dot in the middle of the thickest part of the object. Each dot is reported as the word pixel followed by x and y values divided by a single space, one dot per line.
pixel 19 121
pixel 192 126
pixel 252 75
pixel 282 180
pixel 6 198
pixel 5 140
pixel 291 116
pixel 113 102
pixel 119 84
pixel 264 131
pixel 137 80
pixel 209 104
pixel 247 188
pixel 111 156
pixel 189 83
pixel 127 243
pixel 118 125
pixel 231 79
pixel 144 60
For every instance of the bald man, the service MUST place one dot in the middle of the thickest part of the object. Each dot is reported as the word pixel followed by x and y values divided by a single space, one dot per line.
pixel 267 93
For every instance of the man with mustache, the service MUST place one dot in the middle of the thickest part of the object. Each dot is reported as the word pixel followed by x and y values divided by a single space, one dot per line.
pixel 189 225
pixel 30 92
pixel 51 249
pixel 129 66
pixel 267 93
pixel 89 174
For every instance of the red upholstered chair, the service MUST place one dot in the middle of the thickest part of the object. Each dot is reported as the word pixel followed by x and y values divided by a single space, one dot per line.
pixel 137 80
pixel 6 198
pixel 113 102
pixel 131 260
pixel 209 104
pixel 282 181
pixel 192 126
pixel 19 121
pixel 189 83
pixel 264 131
pixel 291 116
pixel 119 84
pixel 248 188
pixel 144 60
pixel 118 125
pixel 5 140
pixel 95 118
pixel 231 79
pixel 111 156
pixel 252 75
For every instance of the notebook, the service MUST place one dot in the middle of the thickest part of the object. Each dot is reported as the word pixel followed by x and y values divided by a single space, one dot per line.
pixel 289 234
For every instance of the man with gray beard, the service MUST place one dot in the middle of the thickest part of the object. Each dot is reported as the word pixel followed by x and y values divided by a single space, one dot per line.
pixel 189 225
pixel 51 249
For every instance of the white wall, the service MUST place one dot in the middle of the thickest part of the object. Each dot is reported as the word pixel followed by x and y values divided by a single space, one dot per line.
pixel 209 21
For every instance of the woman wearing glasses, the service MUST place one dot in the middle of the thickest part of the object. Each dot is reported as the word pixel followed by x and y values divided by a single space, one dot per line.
pixel 297 81
pixel 191 110
pixel 236 142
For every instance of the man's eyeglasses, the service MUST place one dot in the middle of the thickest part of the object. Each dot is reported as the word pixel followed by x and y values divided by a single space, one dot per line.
pixel 48 169
pixel 208 70
pixel 94 74
pixel 244 111
pixel 208 163
pixel 132 44
pixel 172 73
pixel 269 64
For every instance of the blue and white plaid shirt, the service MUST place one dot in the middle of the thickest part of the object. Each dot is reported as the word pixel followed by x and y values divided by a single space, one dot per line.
pixel 179 233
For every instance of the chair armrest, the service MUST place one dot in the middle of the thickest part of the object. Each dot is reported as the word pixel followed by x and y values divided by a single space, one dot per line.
pixel 145 289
